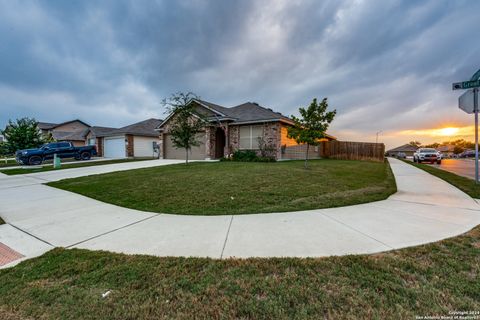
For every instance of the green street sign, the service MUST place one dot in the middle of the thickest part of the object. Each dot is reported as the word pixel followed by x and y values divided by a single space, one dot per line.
pixel 466 85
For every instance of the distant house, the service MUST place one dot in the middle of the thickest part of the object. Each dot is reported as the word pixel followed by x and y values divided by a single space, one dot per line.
pixel 406 148
pixel 230 129
pixel 73 131
pixel 447 150
pixel 136 140
pixel 2 138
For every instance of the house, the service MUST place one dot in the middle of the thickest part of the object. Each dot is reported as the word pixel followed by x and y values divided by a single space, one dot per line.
pixel 447 150
pixel 230 129
pixel 406 148
pixel 136 140
pixel 73 131
pixel 2 138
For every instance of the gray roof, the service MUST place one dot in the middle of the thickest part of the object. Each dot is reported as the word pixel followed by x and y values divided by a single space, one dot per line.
pixel 46 125
pixel 404 148
pixel 142 128
pixel 249 112
pixel 101 131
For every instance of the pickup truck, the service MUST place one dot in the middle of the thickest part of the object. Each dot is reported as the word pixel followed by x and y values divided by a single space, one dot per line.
pixel 48 150
pixel 427 155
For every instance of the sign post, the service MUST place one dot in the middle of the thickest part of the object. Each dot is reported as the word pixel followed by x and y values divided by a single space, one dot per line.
pixel 468 102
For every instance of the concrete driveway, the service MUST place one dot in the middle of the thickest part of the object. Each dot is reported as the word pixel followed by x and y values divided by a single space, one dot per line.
pixel 462 167
pixel 42 217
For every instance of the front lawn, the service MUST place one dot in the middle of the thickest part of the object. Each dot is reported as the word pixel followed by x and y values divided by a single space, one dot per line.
pixel 66 165
pixel 8 163
pixel 465 184
pixel 238 187
pixel 427 280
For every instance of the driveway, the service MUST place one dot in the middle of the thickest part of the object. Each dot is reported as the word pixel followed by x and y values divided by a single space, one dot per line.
pixel 46 217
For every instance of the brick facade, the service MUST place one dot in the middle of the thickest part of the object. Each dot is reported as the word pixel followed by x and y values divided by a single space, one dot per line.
pixel 99 145
pixel 129 146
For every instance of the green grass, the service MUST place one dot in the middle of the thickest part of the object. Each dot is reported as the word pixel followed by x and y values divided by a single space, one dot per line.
pixel 9 163
pixel 239 187
pixel 465 184
pixel 426 280
pixel 16 171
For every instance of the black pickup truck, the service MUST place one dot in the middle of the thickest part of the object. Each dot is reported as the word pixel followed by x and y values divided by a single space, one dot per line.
pixel 47 151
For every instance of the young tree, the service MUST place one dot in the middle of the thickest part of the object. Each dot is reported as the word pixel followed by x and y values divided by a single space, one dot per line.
pixel 186 123
pixel 312 125
pixel 22 134
pixel 415 143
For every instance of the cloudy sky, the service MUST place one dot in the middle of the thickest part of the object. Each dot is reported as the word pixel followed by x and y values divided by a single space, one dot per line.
pixel 384 65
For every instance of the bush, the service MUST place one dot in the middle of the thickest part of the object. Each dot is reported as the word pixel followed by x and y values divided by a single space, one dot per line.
pixel 247 156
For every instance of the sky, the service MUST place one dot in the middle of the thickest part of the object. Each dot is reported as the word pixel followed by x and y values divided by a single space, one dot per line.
pixel 383 65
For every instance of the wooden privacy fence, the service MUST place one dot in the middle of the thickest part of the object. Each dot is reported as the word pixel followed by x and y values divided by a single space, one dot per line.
pixel 345 150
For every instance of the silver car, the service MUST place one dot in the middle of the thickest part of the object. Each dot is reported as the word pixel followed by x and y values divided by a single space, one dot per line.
pixel 427 155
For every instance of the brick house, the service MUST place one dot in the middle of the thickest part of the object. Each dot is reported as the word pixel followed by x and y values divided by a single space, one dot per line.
pixel 136 140
pixel 73 131
pixel 231 129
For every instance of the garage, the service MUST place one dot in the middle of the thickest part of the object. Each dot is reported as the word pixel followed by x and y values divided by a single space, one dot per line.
pixel 196 153
pixel 143 146
pixel 114 147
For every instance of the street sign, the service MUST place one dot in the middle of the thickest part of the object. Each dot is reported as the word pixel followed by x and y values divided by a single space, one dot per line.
pixel 466 101
pixel 466 85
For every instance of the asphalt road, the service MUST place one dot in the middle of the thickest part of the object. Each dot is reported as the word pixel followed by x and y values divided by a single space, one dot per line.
pixel 462 167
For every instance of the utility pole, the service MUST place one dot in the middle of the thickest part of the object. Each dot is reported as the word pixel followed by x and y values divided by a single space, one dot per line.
pixel 376 138
pixel 475 109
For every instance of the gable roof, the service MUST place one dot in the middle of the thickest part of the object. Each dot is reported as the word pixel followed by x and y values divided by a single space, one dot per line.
pixel 101 131
pixel 46 125
pixel 406 147
pixel 249 112
pixel 142 128
pixel 67 122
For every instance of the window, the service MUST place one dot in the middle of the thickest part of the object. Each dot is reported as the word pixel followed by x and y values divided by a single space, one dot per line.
pixel 91 142
pixel 249 136
pixel 64 145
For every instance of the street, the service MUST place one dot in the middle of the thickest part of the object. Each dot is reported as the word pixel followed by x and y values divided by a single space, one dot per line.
pixel 462 167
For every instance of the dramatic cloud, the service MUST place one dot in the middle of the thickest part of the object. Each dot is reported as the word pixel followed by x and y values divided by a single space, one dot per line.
pixel 384 65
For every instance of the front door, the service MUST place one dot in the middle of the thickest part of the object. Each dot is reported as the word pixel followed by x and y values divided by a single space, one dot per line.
pixel 219 143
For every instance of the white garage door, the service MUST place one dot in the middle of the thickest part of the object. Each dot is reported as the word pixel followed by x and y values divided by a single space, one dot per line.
pixel 143 146
pixel 114 147
pixel 197 153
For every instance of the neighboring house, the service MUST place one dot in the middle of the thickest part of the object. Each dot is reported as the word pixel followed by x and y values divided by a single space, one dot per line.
pixel 230 129
pixel 136 140
pixel 73 131
pixel 406 148
pixel 447 150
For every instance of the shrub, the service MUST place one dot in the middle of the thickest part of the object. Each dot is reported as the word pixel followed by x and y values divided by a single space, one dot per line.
pixel 247 156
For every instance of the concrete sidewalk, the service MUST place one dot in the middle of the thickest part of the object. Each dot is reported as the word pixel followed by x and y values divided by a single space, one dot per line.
pixel 414 215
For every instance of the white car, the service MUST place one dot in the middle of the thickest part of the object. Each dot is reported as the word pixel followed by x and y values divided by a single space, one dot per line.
pixel 427 155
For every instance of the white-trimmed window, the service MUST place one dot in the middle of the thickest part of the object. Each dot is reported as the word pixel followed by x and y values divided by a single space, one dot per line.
pixel 91 141
pixel 249 136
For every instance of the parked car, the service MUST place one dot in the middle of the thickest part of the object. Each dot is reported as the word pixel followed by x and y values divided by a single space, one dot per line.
pixel 401 155
pixel 467 154
pixel 427 155
pixel 47 151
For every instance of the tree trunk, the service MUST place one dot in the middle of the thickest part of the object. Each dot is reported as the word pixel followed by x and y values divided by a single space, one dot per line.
pixel 186 156
pixel 306 157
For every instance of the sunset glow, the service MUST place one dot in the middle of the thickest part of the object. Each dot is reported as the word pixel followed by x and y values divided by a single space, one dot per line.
pixel 440 132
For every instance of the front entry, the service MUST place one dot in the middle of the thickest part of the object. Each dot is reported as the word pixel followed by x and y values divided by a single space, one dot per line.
pixel 219 143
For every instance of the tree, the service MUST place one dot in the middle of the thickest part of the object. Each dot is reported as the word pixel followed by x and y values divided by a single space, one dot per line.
pixel 415 143
pixel 312 125
pixel 186 122
pixel 22 134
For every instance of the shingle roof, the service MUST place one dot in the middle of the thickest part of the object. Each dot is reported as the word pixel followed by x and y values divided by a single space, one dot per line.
pixel 46 125
pixel 142 128
pixel 101 131
pixel 405 147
